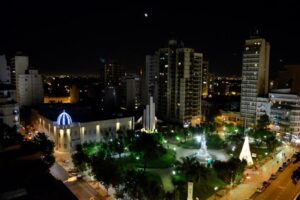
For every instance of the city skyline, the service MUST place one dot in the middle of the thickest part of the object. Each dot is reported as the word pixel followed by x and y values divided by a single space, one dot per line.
pixel 70 37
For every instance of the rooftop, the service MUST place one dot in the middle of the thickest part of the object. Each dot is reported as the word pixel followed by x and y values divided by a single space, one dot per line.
pixel 79 113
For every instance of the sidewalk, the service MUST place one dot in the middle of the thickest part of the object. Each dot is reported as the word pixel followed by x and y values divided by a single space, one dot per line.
pixel 248 188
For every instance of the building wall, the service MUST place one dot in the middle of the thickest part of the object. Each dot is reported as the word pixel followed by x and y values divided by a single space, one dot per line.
pixel 67 137
pixel 205 78
pixel 30 88
pixel 133 93
pixel 151 78
pixel 255 77
pixel 4 71
pixel 289 77
pixel 9 109
pixel 57 99
pixel 18 65
pixel 179 84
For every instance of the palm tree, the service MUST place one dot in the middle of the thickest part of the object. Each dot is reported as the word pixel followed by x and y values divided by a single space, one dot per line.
pixel 191 169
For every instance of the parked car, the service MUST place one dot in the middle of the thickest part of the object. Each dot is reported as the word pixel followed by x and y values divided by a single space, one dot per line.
pixel 266 184
pixel 284 164
pixel 288 161
pixel 260 189
pixel 280 169
pixel 273 176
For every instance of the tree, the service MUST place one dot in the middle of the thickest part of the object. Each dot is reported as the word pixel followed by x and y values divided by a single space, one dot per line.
pixel 106 170
pixel 148 147
pixel 191 169
pixel 296 174
pixel 185 133
pixel 263 122
pixel 231 170
pixel 140 185
pixel 46 146
pixel 134 182
pixel 266 137
pixel 118 146
pixel 80 159
pixel 9 135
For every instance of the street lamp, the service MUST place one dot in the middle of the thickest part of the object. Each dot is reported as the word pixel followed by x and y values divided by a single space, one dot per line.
pixel 198 138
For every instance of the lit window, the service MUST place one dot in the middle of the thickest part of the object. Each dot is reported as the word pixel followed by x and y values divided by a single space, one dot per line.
pixel 166 66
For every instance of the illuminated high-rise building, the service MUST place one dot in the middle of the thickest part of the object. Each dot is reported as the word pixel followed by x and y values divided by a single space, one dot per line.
pixel 113 73
pixel 255 76
pixel 179 83
pixel 205 78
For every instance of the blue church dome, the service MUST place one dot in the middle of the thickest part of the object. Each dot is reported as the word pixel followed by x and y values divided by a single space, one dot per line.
pixel 64 119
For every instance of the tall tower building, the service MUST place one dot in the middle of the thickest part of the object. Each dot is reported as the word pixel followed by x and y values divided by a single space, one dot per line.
pixel 132 92
pixel 113 72
pixel 18 65
pixel 151 78
pixel 179 83
pixel 4 71
pixel 30 88
pixel 255 77
pixel 205 78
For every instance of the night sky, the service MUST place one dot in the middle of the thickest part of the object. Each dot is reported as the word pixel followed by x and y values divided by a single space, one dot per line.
pixel 71 37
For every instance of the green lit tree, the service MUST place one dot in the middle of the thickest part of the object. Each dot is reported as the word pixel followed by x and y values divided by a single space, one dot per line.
pixel 263 122
pixel 148 147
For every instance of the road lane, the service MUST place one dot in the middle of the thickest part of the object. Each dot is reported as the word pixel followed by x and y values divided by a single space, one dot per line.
pixel 282 188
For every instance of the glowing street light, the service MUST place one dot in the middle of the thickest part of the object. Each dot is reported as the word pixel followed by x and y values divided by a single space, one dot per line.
pixel 174 172
pixel 198 138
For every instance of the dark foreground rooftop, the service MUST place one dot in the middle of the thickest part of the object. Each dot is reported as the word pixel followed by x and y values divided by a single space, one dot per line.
pixel 23 176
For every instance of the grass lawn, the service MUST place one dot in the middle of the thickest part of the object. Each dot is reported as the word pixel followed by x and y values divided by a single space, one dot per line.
pixel 189 144
pixel 165 161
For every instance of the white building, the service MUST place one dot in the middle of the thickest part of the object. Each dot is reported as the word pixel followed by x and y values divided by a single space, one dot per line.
pixel 263 107
pixel 285 112
pixel 18 65
pixel 9 109
pixel 68 133
pixel 255 77
pixel 30 88
pixel 4 71
pixel 149 119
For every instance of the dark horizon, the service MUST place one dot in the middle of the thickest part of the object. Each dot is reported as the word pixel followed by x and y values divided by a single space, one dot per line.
pixel 71 38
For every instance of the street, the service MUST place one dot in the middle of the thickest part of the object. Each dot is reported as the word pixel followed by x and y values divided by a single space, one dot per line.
pixel 281 188
pixel 81 189
pixel 248 188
